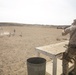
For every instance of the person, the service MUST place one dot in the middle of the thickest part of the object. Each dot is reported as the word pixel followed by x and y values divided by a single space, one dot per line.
pixel 70 54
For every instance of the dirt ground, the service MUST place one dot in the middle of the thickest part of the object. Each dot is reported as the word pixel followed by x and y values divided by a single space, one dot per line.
pixel 16 49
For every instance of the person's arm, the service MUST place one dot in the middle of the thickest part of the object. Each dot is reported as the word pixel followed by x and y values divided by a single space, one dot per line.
pixel 63 32
pixel 66 31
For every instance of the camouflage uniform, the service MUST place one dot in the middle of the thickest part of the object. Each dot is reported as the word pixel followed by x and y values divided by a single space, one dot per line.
pixel 70 53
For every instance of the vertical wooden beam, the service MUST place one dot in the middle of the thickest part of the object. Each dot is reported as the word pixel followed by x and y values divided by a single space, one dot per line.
pixel 54 66
pixel 75 66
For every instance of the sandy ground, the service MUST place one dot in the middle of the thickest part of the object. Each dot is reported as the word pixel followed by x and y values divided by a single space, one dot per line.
pixel 15 50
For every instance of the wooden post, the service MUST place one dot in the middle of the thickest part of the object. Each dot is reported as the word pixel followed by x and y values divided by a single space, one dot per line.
pixel 75 66
pixel 54 66
pixel 65 65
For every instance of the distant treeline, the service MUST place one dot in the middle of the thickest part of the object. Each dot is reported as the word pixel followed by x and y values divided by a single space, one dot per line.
pixel 20 24
pixel 10 24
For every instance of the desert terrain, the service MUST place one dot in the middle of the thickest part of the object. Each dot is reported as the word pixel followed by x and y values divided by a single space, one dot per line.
pixel 16 49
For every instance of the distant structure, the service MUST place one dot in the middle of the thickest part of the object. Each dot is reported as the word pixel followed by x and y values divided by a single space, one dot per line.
pixel 63 26
pixel 14 30
pixel 20 34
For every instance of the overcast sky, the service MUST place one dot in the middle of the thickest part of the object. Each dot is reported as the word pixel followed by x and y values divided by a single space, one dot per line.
pixel 38 11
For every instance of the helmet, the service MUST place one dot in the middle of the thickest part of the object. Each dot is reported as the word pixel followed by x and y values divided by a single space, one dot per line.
pixel 74 22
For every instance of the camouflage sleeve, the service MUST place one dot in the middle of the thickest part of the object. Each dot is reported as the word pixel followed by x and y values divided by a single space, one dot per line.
pixel 67 30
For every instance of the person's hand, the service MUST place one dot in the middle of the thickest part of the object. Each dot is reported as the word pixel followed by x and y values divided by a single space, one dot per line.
pixel 63 32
